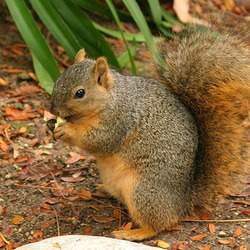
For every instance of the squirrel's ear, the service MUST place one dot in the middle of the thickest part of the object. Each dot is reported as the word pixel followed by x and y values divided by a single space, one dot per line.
pixel 101 72
pixel 80 56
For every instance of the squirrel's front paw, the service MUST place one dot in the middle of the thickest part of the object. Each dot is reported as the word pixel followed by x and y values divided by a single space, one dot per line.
pixel 63 132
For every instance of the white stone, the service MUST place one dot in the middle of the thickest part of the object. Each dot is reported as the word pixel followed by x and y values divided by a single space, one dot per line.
pixel 81 242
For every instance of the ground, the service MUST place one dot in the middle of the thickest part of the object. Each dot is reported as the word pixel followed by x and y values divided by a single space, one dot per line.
pixel 48 189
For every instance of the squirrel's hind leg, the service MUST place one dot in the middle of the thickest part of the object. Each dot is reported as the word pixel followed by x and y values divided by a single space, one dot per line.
pixel 134 234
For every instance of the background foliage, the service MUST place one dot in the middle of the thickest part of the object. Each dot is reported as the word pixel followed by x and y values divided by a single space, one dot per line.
pixel 70 24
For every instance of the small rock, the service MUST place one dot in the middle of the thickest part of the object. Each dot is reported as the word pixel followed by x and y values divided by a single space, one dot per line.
pixel 222 234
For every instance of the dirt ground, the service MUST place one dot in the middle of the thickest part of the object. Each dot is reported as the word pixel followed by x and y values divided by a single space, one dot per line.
pixel 48 189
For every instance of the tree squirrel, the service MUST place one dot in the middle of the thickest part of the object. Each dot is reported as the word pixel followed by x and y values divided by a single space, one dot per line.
pixel 162 146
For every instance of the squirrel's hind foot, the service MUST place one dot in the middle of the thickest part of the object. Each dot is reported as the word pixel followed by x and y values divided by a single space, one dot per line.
pixel 134 234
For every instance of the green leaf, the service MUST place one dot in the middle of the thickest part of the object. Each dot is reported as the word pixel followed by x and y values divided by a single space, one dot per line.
pixel 114 13
pixel 125 57
pixel 140 20
pixel 101 9
pixel 32 36
pixel 117 34
pixel 155 8
pixel 56 25
pixel 44 78
pixel 84 29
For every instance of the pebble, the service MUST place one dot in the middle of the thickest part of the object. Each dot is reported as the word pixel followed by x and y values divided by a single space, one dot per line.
pixel 222 233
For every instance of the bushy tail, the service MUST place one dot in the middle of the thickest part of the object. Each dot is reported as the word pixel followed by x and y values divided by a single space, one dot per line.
pixel 211 75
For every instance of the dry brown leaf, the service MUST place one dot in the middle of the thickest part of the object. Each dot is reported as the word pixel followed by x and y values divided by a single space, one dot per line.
pixel 181 245
pixel 1 242
pixel 243 247
pixel 225 241
pixel 74 158
pixel 46 206
pixel 212 228
pixel 3 82
pixel 127 226
pixel 87 230
pixel 47 224
pixel 238 231
pixel 28 89
pixel 245 212
pixel 15 114
pixel 242 202
pixel 206 247
pixel 205 215
pixel 33 76
pixel 102 219
pixel 86 195
pixel 161 244
pixel 18 220
pixel 198 237
pixel 230 5
pixel 38 234
pixel 10 246
pixel 3 145
pixel 117 213
pixel 57 245
pixel 73 179
pixel 13 71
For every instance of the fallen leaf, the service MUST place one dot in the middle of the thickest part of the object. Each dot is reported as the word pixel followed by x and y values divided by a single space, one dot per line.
pixel 57 245
pixel 86 195
pixel 10 246
pixel 73 179
pixel 87 230
pixel 1 242
pixel 242 202
pixel 3 82
pixel 243 247
pixel 224 241
pixel 127 226
pixel 33 76
pixel 3 145
pixel 51 201
pixel 46 206
pixel 212 228
pixel 15 114
pixel 38 235
pixel 13 71
pixel 205 247
pixel 245 212
pixel 181 245
pixel 18 220
pixel 28 89
pixel 198 237
pixel 205 215
pixel 17 50
pixel 238 231
pixel 117 213
pixel 47 224
pixel 74 158
pixel 161 244
pixel 102 219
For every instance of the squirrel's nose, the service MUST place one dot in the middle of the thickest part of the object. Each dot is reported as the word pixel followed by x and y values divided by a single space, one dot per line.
pixel 54 110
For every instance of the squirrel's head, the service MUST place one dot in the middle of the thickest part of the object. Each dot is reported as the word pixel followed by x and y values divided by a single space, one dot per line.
pixel 82 90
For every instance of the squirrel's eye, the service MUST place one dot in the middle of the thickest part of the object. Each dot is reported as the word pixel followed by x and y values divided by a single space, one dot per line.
pixel 79 93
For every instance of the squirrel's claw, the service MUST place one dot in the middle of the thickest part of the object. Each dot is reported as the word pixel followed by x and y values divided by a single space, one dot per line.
pixel 50 127
pixel 134 234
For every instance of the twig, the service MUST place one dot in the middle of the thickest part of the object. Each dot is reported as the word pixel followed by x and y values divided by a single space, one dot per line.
pixel 216 221
pixel 57 222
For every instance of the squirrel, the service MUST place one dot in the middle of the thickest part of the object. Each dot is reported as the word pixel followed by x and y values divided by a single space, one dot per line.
pixel 162 145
